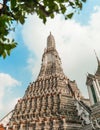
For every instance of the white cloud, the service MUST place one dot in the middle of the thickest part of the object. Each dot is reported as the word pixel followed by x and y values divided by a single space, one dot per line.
pixel 75 44
pixel 6 84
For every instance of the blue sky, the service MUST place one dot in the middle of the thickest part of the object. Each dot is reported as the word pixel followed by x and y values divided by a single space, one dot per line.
pixel 75 40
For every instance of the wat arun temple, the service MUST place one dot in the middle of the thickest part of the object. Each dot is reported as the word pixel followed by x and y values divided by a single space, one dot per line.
pixel 54 102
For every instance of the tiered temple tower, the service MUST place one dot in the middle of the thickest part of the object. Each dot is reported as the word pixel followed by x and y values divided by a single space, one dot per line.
pixel 52 102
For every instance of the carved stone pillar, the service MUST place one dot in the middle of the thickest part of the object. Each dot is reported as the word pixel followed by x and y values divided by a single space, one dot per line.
pixel 47 126
pixel 15 127
pixel 30 127
pixel 21 126
pixel 64 123
pixel 37 125
pixel 54 125
pixel 7 127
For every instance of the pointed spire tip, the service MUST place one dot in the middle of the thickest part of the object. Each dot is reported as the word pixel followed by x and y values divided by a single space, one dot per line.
pixel 97 57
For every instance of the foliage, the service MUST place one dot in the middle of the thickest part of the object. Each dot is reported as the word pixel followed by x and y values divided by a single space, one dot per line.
pixel 16 11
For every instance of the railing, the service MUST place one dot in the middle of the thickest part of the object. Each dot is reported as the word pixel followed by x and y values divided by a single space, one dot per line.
pixel 6 118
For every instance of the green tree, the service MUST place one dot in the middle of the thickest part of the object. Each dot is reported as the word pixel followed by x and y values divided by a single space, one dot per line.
pixel 16 11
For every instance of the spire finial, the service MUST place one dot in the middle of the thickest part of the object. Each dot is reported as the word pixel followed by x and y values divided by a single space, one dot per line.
pixel 97 57
pixel 50 41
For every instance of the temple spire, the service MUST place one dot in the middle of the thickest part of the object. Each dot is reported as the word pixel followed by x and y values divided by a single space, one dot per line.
pixel 50 42
pixel 51 62
pixel 93 84
pixel 97 57
pixel 98 68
